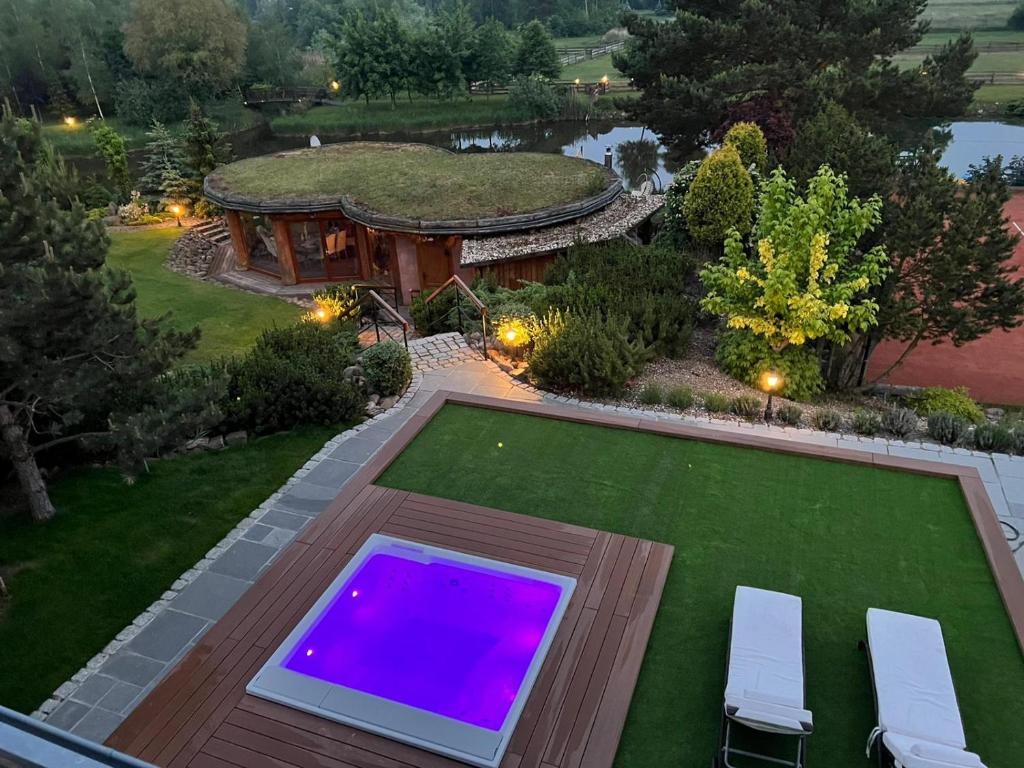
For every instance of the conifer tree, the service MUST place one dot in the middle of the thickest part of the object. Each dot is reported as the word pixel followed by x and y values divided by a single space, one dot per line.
pixel 76 362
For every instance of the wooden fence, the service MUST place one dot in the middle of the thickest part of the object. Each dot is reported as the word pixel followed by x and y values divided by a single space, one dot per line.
pixel 567 56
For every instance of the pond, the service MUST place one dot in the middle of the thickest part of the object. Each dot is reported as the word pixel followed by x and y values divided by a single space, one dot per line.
pixel 637 155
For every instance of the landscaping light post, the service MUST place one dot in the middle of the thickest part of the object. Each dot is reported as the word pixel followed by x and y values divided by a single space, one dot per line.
pixel 771 382
pixel 176 210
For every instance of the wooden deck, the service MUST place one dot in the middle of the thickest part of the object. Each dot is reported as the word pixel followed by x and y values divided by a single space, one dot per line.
pixel 200 716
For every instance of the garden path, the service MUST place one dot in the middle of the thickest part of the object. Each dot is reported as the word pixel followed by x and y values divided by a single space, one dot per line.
pixel 97 698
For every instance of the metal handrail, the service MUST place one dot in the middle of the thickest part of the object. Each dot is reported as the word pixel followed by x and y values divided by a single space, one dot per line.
pixel 42 734
pixel 462 289
pixel 373 299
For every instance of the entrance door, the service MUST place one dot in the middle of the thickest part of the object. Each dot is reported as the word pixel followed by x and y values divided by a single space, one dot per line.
pixel 433 264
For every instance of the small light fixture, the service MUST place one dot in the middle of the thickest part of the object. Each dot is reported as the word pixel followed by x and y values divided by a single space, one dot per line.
pixel 309 652
pixel 510 335
pixel 355 593
pixel 335 85
pixel 605 80
pixel 577 81
pixel 321 315
pixel 176 210
pixel 771 382
pixel 70 121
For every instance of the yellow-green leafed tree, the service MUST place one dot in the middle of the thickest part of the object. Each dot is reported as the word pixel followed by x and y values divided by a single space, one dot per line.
pixel 803 276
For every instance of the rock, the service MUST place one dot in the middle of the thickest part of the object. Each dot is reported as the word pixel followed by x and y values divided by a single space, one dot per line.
pixel 388 402
pixel 217 443
pixel 352 372
pixel 198 444
pixel 375 398
pixel 373 410
pixel 995 414
pixel 236 438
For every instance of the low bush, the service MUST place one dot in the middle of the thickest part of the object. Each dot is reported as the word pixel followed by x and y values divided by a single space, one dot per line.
pixel 947 428
pixel 652 394
pixel 1018 440
pixel 993 437
pixel 956 402
pixel 645 284
pixel 585 353
pixel 746 407
pixel 790 414
pixel 294 376
pixel 867 423
pixel 680 397
pixel 442 315
pixel 899 422
pixel 745 356
pixel 716 403
pixel 828 420
pixel 387 368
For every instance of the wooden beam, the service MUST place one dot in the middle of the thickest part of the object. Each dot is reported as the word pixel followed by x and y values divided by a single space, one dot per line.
pixel 285 254
pixel 238 239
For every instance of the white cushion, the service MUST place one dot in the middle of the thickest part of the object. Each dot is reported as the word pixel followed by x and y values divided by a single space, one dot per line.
pixel 911 752
pixel 913 683
pixel 766 666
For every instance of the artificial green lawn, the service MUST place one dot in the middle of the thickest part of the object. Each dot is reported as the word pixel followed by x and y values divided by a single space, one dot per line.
pixel 413 181
pixel 230 320
pixel 843 537
pixel 113 549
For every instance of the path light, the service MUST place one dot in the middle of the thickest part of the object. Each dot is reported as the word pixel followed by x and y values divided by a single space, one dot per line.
pixel 335 86
pixel 70 121
pixel 577 82
pixel 771 382
pixel 176 210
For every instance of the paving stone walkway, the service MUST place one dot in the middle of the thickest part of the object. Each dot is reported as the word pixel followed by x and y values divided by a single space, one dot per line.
pixel 95 701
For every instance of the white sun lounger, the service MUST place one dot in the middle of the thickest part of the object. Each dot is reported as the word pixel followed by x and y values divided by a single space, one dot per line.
pixel 765 673
pixel 918 717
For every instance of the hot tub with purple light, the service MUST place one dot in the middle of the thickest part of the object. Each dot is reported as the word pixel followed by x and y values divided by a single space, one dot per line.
pixel 423 645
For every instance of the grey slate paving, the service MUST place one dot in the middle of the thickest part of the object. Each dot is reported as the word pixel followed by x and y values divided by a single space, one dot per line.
pixel 97 725
pixel 257 532
pixel 93 689
pixel 120 697
pixel 131 668
pixel 281 519
pixel 330 474
pixel 305 499
pixel 210 595
pixel 67 715
pixel 243 559
pixel 355 450
pixel 165 636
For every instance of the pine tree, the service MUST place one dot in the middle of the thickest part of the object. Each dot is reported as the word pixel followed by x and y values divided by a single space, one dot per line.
pixel 111 147
pixel 75 359
pixel 205 149
pixel 164 161
pixel 537 54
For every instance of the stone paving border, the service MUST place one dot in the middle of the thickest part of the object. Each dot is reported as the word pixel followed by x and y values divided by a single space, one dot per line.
pixel 99 696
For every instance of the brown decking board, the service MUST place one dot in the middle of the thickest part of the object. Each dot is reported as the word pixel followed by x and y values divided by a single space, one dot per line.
pixel 201 717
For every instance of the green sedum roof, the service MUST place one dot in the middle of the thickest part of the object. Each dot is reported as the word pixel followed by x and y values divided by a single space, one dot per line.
pixel 412 182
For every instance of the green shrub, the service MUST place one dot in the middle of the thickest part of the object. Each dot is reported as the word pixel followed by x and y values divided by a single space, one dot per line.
pixel 294 376
pixel 790 414
pixel 899 422
pixel 652 394
pixel 646 284
pixel 867 423
pixel 585 353
pixel 533 98
pixel 443 313
pixel 716 402
pixel 745 356
pixel 1018 439
pixel 680 397
pixel 993 437
pixel 673 218
pixel 947 428
pixel 828 420
pixel 387 368
pixel 750 143
pixel 720 198
pixel 746 407
pixel 956 402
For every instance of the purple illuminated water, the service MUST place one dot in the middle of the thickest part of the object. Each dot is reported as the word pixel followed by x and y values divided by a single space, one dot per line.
pixel 447 637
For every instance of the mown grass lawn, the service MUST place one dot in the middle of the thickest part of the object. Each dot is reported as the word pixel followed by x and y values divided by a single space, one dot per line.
pixel 843 537
pixel 592 70
pixel 230 320
pixel 115 548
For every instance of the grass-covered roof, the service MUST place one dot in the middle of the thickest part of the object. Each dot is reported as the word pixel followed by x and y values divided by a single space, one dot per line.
pixel 408 181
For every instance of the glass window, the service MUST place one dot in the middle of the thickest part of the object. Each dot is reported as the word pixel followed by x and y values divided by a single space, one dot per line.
pixel 306 245
pixel 259 236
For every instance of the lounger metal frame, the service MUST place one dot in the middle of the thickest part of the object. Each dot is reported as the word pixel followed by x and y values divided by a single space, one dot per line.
pixel 725 749
pixel 877 740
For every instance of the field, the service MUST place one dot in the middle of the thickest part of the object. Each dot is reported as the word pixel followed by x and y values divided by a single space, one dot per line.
pixel 844 537
pixel 968 14
pixel 230 320
pixel 592 70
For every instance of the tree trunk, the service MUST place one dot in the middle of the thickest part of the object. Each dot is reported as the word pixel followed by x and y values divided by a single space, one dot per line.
pixel 24 460
pixel 88 74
